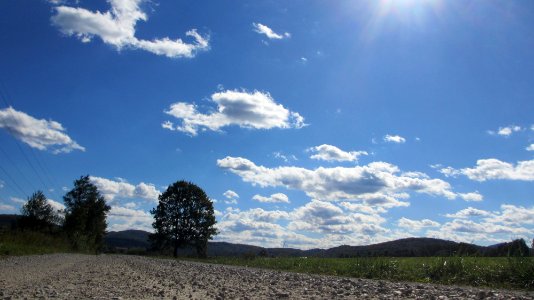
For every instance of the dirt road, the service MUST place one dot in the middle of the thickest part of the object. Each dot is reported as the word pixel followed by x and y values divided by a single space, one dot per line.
pixel 70 276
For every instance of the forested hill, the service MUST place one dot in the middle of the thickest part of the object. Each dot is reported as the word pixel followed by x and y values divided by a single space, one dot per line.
pixel 398 248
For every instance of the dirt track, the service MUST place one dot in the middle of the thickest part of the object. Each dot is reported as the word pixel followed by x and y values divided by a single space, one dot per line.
pixel 68 276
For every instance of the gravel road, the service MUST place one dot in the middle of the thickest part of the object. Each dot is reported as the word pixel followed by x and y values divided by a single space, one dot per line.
pixel 70 276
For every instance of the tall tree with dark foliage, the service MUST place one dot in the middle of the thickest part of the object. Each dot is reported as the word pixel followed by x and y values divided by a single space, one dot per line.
pixel 38 214
pixel 85 215
pixel 184 216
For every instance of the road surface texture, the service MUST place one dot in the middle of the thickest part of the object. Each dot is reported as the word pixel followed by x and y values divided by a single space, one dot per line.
pixel 71 276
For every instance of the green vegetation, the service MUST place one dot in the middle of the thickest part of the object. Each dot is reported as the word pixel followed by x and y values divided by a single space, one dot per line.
pixel 85 216
pixel 184 216
pixel 495 272
pixel 31 242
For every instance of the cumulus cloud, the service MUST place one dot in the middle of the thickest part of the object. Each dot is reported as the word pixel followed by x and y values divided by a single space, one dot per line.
pixel 332 153
pixel 327 218
pixel 7 207
pixel 474 196
pixel 230 194
pixel 469 213
pixel 488 227
pixel 377 183
pixel 394 139
pixel 111 189
pixel 493 169
pixel 512 214
pixel 268 32
pixel 123 218
pixel 506 131
pixel 56 205
pixel 416 225
pixel 329 225
pixel 285 158
pixel 116 27
pixel 37 133
pixel 255 110
pixel 530 147
pixel 274 198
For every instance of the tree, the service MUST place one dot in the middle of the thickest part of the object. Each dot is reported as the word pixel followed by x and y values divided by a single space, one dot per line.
pixel 38 214
pixel 184 216
pixel 85 215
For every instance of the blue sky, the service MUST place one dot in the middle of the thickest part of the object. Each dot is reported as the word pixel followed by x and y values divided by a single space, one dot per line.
pixel 310 125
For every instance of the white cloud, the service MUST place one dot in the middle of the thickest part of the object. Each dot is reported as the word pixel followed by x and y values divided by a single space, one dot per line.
pixel 40 134
pixel 377 183
pixel 332 153
pixel 530 147
pixel 56 205
pixel 123 218
pixel 335 226
pixel 285 158
pixel 513 215
pixel 230 194
pixel 394 139
pixel 120 189
pixel 7 207
pixel 17 200
pixel 2 184
pixel 468 213
pixel 327 218
pixel 230 201
pixel 474 196
pixel 257 110
pixel 493 169
pixel 268 32
pixel 274 198
pixel 416 225
pixel 506 131
pixel 491 227
pixel 116 27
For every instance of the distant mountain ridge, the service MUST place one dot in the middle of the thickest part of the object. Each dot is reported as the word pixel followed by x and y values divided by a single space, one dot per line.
pixel 407 247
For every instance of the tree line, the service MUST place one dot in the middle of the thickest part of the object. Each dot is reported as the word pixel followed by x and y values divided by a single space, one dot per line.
pixel 183 217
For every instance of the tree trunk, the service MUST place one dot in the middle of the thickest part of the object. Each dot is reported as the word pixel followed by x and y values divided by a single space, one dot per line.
pixel 175 249
pixel 202 249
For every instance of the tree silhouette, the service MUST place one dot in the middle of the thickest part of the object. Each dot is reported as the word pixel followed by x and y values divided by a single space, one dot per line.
pixel 184 216
pixel 85 215
pixel 38 214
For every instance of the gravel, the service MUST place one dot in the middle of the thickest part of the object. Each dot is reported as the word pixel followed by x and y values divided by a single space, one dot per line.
pixel 71 276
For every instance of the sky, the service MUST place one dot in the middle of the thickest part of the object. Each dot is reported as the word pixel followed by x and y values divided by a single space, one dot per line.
pixel 309 124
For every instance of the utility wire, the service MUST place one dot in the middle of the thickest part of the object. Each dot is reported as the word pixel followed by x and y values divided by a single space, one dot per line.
pixel 2 95
pixel 40 162
pixel 13 181
pixel 17 168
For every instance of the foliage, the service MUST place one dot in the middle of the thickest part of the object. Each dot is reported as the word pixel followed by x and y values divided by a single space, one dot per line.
pixel 38 214
pixel 184 216
pixel 85 216
pixel 495 272
pixel 31 242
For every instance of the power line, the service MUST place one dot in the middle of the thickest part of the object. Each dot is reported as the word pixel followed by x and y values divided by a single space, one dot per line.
pixel 17 168
pixel 13 181
pixel 41 163
pixel 4 98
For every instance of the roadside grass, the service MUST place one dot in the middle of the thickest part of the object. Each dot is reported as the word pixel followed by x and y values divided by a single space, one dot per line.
pixel 494 272
pixel 28 242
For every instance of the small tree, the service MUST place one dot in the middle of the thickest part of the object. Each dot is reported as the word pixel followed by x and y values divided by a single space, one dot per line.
pixel 85 215
pixel 38 214
pixel 184 216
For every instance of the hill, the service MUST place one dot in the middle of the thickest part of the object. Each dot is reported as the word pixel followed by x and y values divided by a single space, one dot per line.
pixel 407 247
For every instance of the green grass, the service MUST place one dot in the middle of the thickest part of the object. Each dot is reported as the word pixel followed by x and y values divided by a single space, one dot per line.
pixel 27 243
pixel 494 272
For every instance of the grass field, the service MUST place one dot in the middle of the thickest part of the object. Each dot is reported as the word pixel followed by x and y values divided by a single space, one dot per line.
pixel 26 243
pixel 495 272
